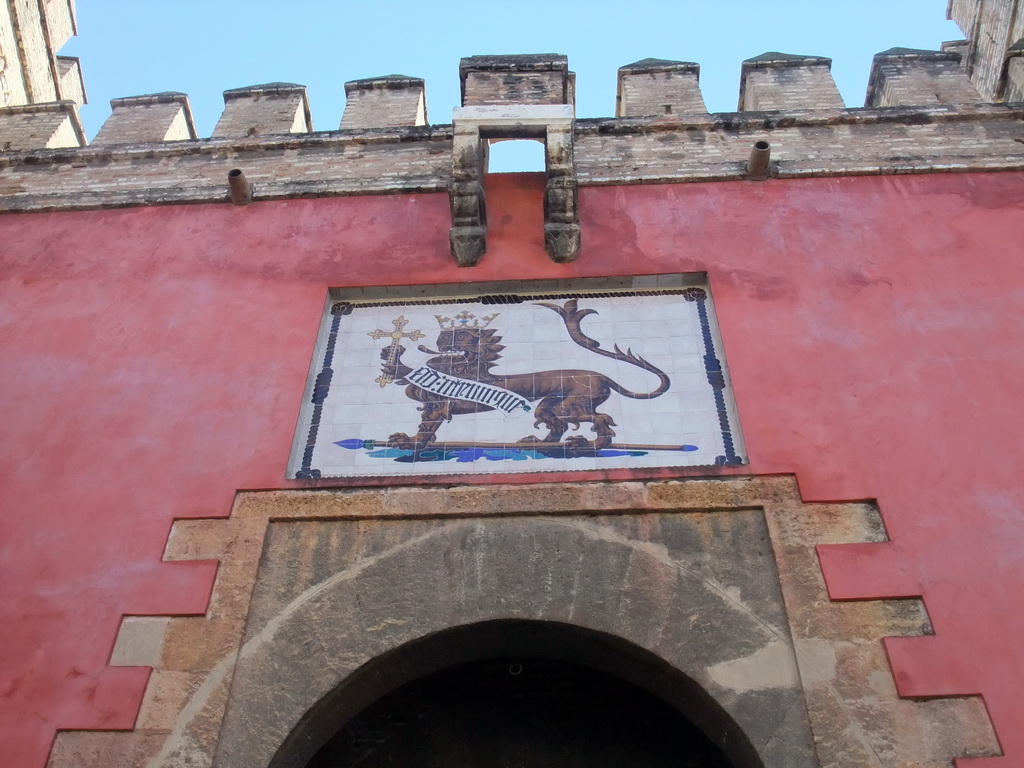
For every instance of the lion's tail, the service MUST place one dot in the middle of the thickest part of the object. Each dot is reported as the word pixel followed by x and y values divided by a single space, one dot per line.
pixel 572 315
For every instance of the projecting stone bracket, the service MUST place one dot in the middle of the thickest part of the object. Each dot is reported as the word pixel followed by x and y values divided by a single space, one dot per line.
pixel 473 126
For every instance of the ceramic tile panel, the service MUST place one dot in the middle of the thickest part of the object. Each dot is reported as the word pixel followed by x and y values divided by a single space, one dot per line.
pixel 580 377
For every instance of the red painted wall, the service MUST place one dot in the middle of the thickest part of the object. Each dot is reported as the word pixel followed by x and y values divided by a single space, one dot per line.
pixel 154 358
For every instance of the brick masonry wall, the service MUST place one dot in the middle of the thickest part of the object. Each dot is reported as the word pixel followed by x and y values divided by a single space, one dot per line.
pixel 328 164
pixel 12 84
pixel 59 23
pixel 809 87
pixel 661 93
pixel 514 88
pixel 996 32
pixel 383 108
pixel 52 127
pixel 33 45
pixel 157 122
pixel 965 14
pixel 830 146
pixel 71 85
pixel 262 114
pixel 940 82
pixel 608 151
pixel 992 26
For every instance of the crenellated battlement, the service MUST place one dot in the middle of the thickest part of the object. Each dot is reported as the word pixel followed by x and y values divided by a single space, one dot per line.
pixel 778 81
pixel 907 77
pixel 789 101
pixel 155 117
pixel 384 102
pixel 264 110
pixel 954 109
pixel 654 88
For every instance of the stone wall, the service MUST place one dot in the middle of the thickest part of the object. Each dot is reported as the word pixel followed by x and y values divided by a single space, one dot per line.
pixel 655 87
pixel 46 126
pixel 31 33
pixel 259 110
pixel 902 77
pixel 923 115
pixel 384 102
pixel 607 151
pixel 156 118
pixel 774 81
pixel 992 28
pixel 526 79
pixel 717 578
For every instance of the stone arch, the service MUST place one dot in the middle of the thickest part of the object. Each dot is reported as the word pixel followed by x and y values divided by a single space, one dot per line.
pixel 685 602
pixel 519 639
pixel 715 528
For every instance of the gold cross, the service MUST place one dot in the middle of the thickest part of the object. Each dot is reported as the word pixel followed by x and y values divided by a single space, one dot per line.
pixel 396 337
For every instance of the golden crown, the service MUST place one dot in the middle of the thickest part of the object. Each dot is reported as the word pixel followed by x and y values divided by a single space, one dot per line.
pixel 465 319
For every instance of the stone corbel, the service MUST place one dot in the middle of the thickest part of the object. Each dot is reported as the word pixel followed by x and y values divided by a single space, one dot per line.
pixel 468 235
pixel 551 123
pixel 561 206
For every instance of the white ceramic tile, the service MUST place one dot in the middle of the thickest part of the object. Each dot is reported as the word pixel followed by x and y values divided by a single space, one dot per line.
pixel 664 329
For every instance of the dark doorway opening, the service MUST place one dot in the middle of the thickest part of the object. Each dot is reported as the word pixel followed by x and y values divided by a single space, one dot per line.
pixel 575 686
pixel 519 713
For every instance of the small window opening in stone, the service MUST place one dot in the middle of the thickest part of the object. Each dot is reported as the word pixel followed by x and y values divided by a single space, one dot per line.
pixel 668 109
pixel 516 156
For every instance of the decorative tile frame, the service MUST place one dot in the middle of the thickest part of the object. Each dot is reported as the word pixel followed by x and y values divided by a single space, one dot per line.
pixel 528 377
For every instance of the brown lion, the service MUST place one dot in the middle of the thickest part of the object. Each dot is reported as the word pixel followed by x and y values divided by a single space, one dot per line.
pixel 567 397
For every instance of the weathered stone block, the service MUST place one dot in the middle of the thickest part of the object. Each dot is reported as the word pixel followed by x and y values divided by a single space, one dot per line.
pixel 656 87
pixel 70 83
pixel 40 126
pixel 258 110
pixel 380 102
pixel 601 573
pixel 775 81
pixel 149 118
pixel 522 79
pixel 908 77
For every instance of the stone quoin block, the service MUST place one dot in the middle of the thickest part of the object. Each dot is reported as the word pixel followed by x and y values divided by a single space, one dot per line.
pixel 384 102
pixel 907 77
pixel 659 87
pixel 149 118
pixel 258 110
pixel 774 81
pixel 40 126
pixel 70 82
pixel 542 78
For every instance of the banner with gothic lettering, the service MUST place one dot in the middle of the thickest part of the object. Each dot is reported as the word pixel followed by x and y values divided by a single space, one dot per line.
pixel 573 380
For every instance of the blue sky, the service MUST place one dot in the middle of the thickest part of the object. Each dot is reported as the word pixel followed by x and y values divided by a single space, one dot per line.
pixel 131 47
